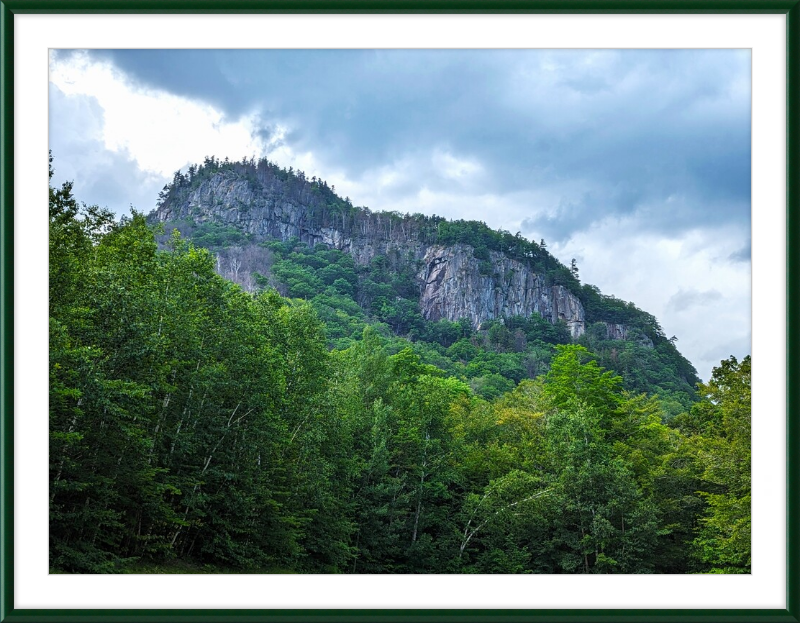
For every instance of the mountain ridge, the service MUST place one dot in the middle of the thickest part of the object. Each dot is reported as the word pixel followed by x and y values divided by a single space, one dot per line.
pixel 271 203
pixel 452 269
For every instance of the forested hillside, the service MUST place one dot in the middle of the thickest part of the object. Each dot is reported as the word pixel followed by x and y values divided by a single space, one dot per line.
pixel 272 227
pixel 314 422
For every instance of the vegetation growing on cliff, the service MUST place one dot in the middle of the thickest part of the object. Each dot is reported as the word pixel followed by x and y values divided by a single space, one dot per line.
pixel 493 358
pixel 324 208
pixel 193 421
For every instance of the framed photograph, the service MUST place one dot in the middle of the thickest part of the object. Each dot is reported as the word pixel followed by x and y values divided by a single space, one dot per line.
pixel 345 388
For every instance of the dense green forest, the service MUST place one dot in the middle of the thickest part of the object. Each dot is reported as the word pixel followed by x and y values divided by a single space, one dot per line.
pixel 318 424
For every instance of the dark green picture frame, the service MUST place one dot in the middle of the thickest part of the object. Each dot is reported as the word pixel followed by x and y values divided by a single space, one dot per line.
pixel 8 9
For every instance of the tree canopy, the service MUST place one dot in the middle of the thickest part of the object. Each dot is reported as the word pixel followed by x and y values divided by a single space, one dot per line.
pixel 317 424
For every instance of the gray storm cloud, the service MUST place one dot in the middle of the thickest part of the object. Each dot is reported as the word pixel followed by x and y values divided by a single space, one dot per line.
pixel 687 299
pixel 615 131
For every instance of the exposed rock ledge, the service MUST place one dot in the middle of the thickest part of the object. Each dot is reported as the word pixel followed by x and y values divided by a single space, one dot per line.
pixel 454 287
pixel 451 283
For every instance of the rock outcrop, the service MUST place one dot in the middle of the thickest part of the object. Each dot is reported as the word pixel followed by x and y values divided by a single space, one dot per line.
pixel 616 331
pixel 272 212
pixel 453 283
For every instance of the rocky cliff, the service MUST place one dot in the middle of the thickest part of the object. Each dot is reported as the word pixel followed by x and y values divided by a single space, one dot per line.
pixel 616 331
pixel 267 209
pixel 453 283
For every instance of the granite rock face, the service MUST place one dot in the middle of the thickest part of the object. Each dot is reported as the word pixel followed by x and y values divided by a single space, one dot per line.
pixel 453 283
pixel 228 199
pixel 616 331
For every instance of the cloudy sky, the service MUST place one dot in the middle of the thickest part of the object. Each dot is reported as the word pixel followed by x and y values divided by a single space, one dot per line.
pixel 634 162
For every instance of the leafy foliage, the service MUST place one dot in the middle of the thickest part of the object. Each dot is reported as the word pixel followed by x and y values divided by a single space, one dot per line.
pixel 193 423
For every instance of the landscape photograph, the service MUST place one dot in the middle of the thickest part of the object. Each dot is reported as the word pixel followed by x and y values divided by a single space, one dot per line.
pixel 400 311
